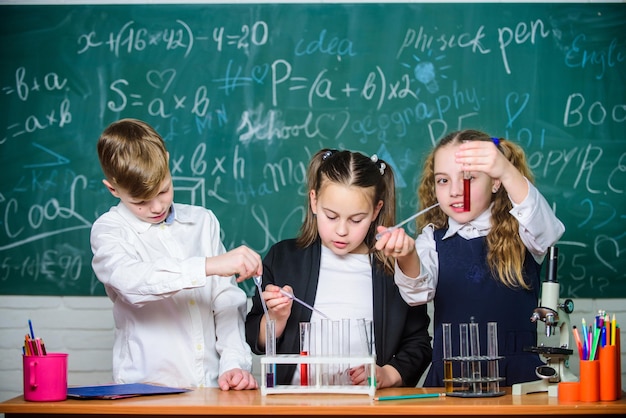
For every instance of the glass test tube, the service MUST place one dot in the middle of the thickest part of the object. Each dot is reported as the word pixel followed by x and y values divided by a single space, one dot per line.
pixel 475 353
pixel 314 351
pixel 325 336
pixel 345 350
pixel 305 350
pixel 492 353
pixel 464 353
pixel 270 351
pixel 467 178
pixel 335 350
pixel 366 336
pixel 447 354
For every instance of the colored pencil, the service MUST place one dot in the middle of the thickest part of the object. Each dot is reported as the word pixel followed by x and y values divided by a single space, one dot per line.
pixel 613 330
pixel 415 396
pixel 579 343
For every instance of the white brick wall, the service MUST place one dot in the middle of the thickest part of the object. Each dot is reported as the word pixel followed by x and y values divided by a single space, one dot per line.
pixel 83 327
pixel 80 326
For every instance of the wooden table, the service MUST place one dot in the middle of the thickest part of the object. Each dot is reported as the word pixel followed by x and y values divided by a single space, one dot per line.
pixel 214 403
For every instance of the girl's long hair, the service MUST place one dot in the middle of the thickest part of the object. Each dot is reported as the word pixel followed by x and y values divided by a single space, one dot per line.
pixel 352 169
pixel 505 250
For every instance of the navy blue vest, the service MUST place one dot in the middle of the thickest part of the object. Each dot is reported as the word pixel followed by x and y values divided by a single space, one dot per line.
pixel 466 288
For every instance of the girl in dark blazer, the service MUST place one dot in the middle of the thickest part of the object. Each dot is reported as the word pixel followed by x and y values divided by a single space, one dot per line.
pixel 332 266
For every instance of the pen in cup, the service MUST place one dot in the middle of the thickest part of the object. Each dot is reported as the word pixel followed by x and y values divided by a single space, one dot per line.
pixel 30 326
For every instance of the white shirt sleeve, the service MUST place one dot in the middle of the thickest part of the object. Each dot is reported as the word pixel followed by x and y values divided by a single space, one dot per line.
pixel 123 260
pixel 420 290
pixel 539 228
pixel 174 325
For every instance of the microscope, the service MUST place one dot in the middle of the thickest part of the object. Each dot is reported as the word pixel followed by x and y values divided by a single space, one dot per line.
pixel 555 315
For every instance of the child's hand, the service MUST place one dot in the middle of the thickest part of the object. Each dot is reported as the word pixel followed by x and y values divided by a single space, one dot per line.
pixel 237 379
pixel 483 156
pixel 278 305
pixel 401 246
pixel 358 375
pixel 396 243
pixel 241 261
pixel 386 376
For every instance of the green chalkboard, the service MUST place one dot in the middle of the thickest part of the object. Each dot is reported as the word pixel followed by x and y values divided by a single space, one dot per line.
pixel 244 94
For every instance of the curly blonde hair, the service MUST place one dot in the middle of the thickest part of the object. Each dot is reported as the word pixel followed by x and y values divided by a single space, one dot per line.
pixel 505 250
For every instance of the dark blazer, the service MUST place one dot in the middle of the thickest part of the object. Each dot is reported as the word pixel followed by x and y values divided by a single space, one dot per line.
pixel 400 331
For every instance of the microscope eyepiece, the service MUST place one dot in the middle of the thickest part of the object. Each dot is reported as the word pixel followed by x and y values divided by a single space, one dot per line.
pixel 553 258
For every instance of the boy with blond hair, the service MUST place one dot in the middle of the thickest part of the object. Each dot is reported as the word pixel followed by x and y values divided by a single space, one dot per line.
pixel 179 314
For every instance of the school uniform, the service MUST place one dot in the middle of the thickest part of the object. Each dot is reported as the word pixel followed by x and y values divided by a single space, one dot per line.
pixel 467 291
pixel 454 273
pixel 401 336
pixel 174 325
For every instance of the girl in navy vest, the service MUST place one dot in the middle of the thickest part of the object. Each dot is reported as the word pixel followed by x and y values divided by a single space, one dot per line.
pixel 483 261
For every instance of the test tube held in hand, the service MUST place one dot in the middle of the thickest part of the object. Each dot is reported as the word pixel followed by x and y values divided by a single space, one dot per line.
pixel 447 354
pixel 467 178
pixel 492 353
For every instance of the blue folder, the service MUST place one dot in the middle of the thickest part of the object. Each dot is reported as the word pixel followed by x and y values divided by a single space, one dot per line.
pixel 125 390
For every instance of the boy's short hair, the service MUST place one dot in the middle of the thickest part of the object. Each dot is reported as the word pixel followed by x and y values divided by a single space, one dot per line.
pixel 133 157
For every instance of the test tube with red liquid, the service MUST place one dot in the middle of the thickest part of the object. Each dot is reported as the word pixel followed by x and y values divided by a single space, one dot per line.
pixel 305 350
pixel 467 177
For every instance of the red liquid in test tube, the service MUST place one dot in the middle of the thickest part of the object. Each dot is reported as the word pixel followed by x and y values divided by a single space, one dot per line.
pixel 467 177
pixel 305 349
pixel 304 371
pixel 466 192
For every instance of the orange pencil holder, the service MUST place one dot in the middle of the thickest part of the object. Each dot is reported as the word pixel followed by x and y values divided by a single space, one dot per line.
pixel 569 391
pixel 619 363
pixel 608 357
pixel 590 380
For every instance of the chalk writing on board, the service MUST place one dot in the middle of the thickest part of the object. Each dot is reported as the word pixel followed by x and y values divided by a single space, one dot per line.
pixel 244 95
pixel 34 224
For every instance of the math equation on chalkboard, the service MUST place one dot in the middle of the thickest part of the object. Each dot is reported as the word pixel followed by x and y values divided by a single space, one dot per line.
pixel 245 94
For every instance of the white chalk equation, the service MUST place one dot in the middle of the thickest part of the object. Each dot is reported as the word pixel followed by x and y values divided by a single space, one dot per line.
pixel 244 95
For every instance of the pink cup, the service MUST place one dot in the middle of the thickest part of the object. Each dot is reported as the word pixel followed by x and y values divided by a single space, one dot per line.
pixel 45 377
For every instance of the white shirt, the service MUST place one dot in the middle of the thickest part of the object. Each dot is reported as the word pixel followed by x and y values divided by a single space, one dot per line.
pixel 539 229
pixel 173 325
pixel 344 291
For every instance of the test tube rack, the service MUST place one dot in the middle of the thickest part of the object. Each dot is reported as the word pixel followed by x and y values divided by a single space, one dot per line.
pixel 470 387
pixel 317 363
